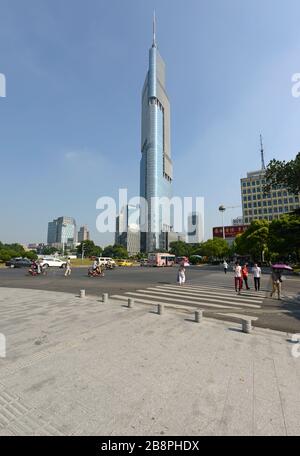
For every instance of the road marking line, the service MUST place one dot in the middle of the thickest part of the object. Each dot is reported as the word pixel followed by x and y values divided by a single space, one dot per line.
pixel 147 301
pixel 227 290
pixel 197 298
pixel 242 317
pixel 190 299
pixel 186 290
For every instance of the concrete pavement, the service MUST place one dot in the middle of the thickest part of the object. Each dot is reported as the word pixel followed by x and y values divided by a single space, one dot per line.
pixel 79 367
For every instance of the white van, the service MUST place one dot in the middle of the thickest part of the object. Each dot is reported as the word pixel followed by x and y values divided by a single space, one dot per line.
pixel 106 260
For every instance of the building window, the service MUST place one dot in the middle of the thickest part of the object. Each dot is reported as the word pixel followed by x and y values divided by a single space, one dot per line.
pixel 254 204
pixel 246 219
pixel 255 211
pixel 274 201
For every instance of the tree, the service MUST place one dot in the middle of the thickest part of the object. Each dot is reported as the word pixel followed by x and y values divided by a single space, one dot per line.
pixel 90 249
pixel 284 237
pixel 115 251
pixel 254 240
pixel 180 248
pixel 216 248
pixel 48 250
pixel 283 173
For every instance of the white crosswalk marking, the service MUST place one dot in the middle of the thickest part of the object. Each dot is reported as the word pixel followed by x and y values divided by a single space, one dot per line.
pixel 190 290
pixel 151 301
pixel 192 297
pixel 206 297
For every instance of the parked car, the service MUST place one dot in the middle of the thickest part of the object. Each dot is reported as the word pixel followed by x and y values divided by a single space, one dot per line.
pixel 19 263
pixel 106 261
pixel 53 262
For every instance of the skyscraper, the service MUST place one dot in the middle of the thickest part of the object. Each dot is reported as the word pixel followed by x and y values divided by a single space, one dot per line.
pixel 62 231
pixel 156 170
pixel 83 234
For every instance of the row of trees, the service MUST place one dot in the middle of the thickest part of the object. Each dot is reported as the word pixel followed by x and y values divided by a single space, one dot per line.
pixel 90 249
pixel 215 248
pixel 8 251
pixel 271 241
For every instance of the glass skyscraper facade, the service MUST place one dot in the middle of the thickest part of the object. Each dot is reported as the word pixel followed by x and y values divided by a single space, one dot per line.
pixel 156 170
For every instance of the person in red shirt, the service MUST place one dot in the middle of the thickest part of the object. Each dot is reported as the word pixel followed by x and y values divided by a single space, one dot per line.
pixel 245 275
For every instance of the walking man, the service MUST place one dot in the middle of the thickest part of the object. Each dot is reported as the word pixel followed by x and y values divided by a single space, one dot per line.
pixel 68 267
pixel 257 275
pixel 225 266
pixel 245 275
pixel 238 281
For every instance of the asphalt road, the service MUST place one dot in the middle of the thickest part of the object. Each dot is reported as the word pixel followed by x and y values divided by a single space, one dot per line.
pixel 280 315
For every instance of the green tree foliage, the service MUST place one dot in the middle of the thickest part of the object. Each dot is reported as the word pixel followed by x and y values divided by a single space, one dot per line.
pixel 115 251
pixel 48 250
pixel 284 173
pixel 90 249
pixel 8 251
pixel 284 237
pixel 254 240
pixel 180 248
pixel 215 248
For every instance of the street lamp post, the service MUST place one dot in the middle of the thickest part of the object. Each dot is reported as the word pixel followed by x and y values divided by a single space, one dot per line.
pixel 222 209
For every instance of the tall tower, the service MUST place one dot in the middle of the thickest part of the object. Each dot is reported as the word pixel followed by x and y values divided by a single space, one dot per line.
pixel 263 166
pixel 156 169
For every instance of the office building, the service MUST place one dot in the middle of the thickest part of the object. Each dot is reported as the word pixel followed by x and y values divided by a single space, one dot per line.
pixel 156 171
pixel 83 234
pixel 62 232
pixel 260 206
pixel 127 230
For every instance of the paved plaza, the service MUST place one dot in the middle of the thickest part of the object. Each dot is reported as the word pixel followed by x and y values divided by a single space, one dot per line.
pixel 77 366
pixel 207 288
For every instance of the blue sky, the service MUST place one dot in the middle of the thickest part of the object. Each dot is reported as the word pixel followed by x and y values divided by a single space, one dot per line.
pixel 70 124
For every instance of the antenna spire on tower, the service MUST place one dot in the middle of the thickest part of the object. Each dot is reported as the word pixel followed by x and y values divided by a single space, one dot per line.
pixel 154 30
pixel 263 166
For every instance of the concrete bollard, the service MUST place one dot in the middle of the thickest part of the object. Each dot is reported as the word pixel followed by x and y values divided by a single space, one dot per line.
pixel 198 316
pixel 130 303
pixel 105 298
pixel 160 309
pixel 82 293
pixel 246 326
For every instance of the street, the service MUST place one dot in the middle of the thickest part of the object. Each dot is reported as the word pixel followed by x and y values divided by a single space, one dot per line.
pixel 207 288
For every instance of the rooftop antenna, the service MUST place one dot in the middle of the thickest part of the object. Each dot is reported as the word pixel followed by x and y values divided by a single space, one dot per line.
pixel 263 166
pixel 154 30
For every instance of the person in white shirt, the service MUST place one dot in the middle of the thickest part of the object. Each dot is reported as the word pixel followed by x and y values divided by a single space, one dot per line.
pixel 225 266
pixel 238 281
pixel 257 275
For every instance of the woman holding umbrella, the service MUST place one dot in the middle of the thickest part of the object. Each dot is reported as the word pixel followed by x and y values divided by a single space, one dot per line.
pixel 277 278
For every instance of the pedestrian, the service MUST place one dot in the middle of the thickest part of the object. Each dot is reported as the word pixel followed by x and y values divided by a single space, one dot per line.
pixel 245 275
pixel 225 266
pixel 68 267
pixel 257 275
pixel 181 275
pixel 238 281
pixel 276 278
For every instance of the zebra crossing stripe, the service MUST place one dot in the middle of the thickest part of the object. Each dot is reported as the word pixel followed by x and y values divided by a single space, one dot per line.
pixel 184 301
pixel 199 292
pixel 226 289
pixel 187 300
pixel 189 297
pixel 250 293
pixel 234 315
